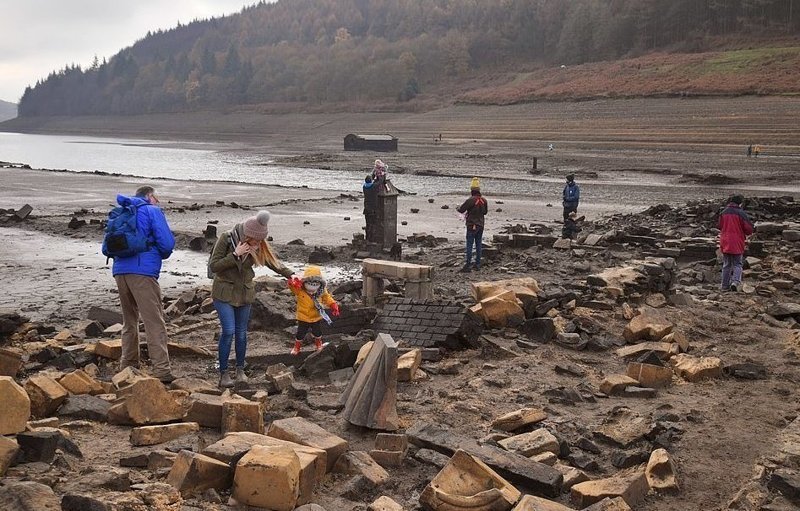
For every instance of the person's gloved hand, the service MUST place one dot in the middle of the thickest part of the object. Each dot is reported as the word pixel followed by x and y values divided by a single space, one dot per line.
pixel 335 309
pixel 241 249
pixel 294 282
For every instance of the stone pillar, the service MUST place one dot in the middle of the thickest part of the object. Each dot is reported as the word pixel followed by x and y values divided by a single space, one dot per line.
pixel 386 221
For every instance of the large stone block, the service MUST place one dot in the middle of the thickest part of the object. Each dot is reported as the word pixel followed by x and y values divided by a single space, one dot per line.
pixel 39 445
pixel 126 377
pixel 408 364
pixel 662 476
pixel 301 431
pixel 384 503
pixel 664 350
pixel 206 410
pixel 361 463
pixel 530 444
pixel 531 503
pixel 572 475
pixel 15 405
pixel 390 449
pixel 194 473
pixel 646 327
pixel 678 338
pixel 519 419
pixel 28 496
pixel 313 465
pixel 152 435
pixel 241 415
pixel 537 477
pixel 607 504
pixel 525 289
pixel 623 427
pixel 695 369
pixel 10 361
pixel 468 483
pixel 8 451
pixel 630 485
pixel 85 407
pixel 362 353
pixel 111 349
pixel 615 384
pixel 268 477
pixel 650 375
pixel 146 401
pixel 46 395
pixel 78 382
pixel 500 311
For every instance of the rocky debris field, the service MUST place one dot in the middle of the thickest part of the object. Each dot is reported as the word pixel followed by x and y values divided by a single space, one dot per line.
pixel 607 372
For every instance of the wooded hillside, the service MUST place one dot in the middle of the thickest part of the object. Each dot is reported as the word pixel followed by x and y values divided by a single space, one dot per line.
pixel 379 51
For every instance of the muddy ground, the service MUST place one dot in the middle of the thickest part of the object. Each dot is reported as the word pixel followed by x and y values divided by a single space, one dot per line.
pixel 54 274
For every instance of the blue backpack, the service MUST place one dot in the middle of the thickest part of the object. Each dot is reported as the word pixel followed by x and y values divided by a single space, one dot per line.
pixel 122 238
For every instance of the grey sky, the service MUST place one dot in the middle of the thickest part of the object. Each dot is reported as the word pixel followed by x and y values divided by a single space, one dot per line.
pixel 40 36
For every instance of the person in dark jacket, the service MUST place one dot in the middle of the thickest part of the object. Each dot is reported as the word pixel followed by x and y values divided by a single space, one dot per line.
pixel 474 209
pixel 734 227
pixel 572 196
pixel 139 292
pixel 232 260
pixel 370 190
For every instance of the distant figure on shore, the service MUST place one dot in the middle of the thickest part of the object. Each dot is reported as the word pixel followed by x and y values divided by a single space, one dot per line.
pixel 138 238
pixel 750 150
pixel 571 226
pixel 232 260
pixel 734 227
pixel 550 147
pixel 756 150
pixel 370 207
pixel 474 209
pixel 312 299
pixel 571 196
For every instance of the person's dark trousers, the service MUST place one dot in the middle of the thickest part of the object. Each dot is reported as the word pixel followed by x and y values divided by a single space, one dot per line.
pixel 474 236
pixel 233 321
pixel 569 208
pixel 732 265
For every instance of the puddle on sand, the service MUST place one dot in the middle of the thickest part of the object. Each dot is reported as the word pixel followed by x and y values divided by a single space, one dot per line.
pixel 48 277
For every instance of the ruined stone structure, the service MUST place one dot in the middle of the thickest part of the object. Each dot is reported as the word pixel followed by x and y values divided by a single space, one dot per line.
pixel 428 324
pixel 417 279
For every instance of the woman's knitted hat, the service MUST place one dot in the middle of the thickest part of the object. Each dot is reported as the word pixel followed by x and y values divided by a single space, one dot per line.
pixel 475 184
pixel 255 227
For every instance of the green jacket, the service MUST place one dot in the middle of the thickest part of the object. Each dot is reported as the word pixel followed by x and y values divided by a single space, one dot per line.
pixel 233 276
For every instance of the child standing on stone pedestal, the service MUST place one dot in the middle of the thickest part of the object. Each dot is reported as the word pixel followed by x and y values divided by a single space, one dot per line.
pixel 312 300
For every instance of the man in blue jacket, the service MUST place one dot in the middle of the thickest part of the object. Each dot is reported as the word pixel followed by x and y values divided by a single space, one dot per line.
pixel 139 292
pixel 572 195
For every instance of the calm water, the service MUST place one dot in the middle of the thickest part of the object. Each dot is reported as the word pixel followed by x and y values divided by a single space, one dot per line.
pixel 214 162
pixel 190 161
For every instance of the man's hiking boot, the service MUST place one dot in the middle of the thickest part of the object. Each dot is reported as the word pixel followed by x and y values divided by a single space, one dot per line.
pixel 167 378
pixel 225 380
pixel 465 269
pixel 241 377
